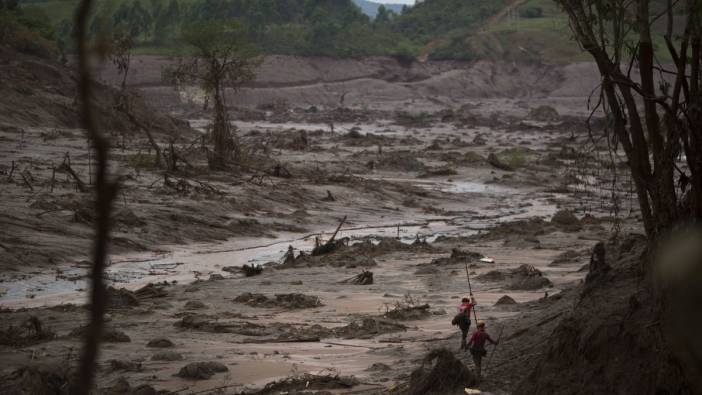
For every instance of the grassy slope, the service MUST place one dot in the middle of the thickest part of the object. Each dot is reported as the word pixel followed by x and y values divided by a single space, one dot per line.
pixel 550 37
pixel 547 38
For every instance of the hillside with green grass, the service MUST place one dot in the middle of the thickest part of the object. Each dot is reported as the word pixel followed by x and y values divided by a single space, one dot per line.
pixel 522 30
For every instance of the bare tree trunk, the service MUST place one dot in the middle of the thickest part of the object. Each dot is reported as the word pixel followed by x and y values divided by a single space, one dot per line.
pixel 105 192
pixel 221 134
pixel 694 138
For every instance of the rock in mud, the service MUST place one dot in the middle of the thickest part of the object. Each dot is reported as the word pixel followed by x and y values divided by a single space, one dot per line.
pixel 493 275
pixel 201 370
pixel 438 172
pixel 598 264
pixel 160 342
pixel 308 384
pixel 566 219
pixel 167 356
pixel 125 216
pixel 544 114
pixel 195 305
pixel 129 366
pixel 122 387
pixel 32 331
pixel 519 241
pixel 400 161
pixel 38 379
pixel 151 290
pixel 426 269
pixel 368 327
pixel 505 300
pixel 121 298
pixel 287 301
pixel 497 163
pixel 458 256
pixel 109 335
pixel 569 256
pixel 205 323
pixel 407 313
pixel 525 277
pixel 378 367
pixel 441 373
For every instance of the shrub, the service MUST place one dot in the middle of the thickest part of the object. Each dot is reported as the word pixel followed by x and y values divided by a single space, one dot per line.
pixel 531 12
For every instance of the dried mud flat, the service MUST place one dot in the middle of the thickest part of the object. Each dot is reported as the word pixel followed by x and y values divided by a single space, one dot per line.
pixel 449 181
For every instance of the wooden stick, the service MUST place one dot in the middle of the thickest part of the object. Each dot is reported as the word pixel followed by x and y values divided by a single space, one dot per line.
pixel 470 290
pixel 53 177
pixel 12 170
pixel 337 229
pixel 24 178
pixel 66 167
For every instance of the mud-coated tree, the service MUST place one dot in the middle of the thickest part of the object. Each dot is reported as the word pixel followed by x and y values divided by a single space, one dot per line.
pixel 105 192
pixel 656 116
pixel 219 56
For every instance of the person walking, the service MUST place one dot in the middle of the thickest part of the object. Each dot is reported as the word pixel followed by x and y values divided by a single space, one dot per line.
pixel 476 345
pixel 462 319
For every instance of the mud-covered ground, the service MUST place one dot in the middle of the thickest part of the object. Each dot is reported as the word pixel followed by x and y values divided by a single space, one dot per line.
pixel 445 174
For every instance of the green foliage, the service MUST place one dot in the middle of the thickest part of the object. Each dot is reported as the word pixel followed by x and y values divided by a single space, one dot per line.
pixel 442 29
pixel 454 47
pixel 514 159
pixel 26 30
pixel 216 53
pixel 436 18
pixel 531 12
pixel 405 52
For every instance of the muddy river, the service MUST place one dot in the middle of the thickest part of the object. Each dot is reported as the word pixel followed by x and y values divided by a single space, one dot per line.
pixel 186 263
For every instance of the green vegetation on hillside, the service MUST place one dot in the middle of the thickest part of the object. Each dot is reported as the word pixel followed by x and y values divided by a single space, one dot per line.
pixel 433 29
pixel 27 30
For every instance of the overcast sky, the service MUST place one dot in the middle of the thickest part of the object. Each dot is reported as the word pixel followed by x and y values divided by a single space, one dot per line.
pixel 396 1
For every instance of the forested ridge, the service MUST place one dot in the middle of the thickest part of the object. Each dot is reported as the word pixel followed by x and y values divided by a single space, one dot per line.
pixel 434 29
pixel 336 28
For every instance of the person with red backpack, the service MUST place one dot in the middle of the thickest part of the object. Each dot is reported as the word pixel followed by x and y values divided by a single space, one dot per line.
pixel 462 319
pixel 477 346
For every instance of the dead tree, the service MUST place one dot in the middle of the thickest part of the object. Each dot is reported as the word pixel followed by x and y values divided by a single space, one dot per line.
pixel 221 57
pixel 121 56
pixel 663 139
pixel 330 245
pixel 105 192
pixel 65 167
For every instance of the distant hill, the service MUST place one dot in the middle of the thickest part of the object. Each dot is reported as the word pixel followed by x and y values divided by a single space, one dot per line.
pixel 519 30
pixel 370 8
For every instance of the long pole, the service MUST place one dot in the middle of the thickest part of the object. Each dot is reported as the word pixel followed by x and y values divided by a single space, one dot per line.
pixel 495 348
pixel 470 290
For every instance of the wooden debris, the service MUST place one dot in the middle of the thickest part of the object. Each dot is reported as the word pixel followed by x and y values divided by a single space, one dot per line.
pixel 65 167
pixel 330 245
pixel 365 278
pixel 252 270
